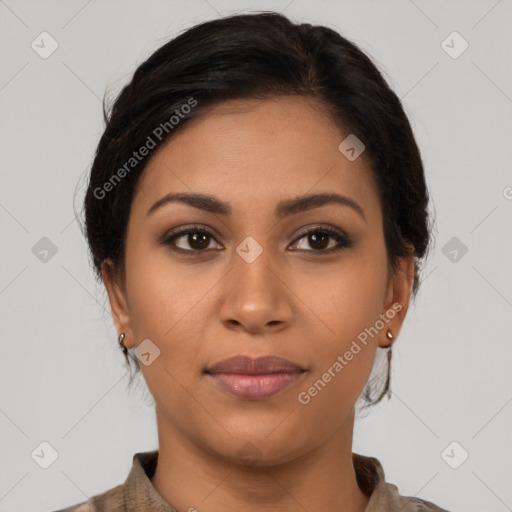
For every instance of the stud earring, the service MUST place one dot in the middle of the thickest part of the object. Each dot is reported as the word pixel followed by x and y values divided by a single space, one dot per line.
pixel 124 348
pixel 389 335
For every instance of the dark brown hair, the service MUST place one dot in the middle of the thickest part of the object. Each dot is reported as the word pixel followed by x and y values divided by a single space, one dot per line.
pixel 262 55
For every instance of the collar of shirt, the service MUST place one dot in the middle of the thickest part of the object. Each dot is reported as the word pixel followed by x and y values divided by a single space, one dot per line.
pixel 140 494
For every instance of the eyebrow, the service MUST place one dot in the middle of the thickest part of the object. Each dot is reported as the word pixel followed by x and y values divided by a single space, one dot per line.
pixel 283 209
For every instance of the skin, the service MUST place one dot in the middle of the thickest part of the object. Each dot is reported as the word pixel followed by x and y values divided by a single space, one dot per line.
pixel 293 301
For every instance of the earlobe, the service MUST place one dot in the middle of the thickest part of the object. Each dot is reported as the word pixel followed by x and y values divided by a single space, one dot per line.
pixel 117 298
pixel 398 297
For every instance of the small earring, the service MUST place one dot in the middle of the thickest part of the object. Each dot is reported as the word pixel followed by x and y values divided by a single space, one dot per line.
pixel 389 335
pixel 124 348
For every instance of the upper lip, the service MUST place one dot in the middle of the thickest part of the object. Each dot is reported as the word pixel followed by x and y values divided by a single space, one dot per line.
pixel 260 365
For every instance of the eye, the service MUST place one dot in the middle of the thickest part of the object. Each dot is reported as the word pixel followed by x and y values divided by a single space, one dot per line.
pixel 197 238
pixel 318 238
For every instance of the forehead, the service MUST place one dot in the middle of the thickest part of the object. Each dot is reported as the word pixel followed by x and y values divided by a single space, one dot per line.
pixel 257 150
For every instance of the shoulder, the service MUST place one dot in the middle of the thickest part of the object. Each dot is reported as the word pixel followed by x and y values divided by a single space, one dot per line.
pixel 135 493
pixel 112 500
pixel 408 503
pixel 385 496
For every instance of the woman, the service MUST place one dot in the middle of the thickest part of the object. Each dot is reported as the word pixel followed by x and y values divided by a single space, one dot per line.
pixel 257 211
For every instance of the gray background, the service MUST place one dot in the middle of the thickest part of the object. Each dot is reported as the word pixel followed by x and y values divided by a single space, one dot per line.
pixel 62 376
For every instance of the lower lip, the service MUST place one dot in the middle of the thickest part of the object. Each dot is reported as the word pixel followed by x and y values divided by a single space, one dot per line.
pixel 254 387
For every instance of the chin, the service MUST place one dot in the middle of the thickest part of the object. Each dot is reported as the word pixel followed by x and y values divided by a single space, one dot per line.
pixel 258 451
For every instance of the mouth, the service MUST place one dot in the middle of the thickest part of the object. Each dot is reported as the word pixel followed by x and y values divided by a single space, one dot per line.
pixel 254 379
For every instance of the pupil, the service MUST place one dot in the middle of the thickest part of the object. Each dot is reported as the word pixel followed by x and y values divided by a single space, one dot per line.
pixel 195 237
pixel 315 238
pixel 318 240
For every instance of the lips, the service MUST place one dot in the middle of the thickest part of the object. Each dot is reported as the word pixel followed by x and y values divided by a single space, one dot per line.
pixel 260 366
pixel 254 379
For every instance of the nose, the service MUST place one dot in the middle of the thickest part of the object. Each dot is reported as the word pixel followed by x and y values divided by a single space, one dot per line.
pixel 256 298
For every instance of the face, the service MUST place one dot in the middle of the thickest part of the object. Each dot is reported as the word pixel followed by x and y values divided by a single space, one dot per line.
pixel 262 278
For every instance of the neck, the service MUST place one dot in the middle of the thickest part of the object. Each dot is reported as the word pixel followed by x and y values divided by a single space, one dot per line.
pixel 189 477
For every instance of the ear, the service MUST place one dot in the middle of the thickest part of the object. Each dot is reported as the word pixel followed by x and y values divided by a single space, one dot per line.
pixel 397 298
pixel 118 303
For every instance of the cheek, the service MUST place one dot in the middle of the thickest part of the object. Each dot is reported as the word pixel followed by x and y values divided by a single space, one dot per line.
pixel 347 300
pixel 167 305
pixel 342 366
pixel 349 305
pixel 160 295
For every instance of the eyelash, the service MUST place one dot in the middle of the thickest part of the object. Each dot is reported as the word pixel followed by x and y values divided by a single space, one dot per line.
pixel 342 240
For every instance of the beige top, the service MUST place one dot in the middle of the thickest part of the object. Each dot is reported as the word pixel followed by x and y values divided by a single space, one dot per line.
pixel 137 493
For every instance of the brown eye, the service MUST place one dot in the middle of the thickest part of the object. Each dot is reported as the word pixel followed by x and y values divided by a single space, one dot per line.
pixel 190 240
pixel 195 240
pixel 198 240
pixel 319 239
